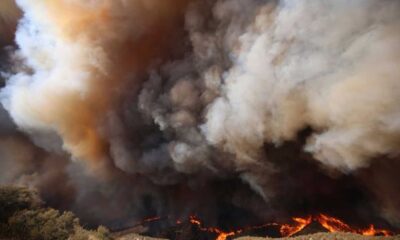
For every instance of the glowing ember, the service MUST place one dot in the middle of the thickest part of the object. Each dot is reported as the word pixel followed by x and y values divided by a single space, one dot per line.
pixel 193 220
pixel 223 236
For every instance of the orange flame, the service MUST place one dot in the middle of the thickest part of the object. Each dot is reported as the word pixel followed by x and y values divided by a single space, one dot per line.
pixel 335 225
pixel 221 234
pixel 289 230
pixel 331 224
pixel 371 231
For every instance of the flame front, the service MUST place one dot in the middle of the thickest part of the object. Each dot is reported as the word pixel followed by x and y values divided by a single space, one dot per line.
pixel 329 223
pixel 335 225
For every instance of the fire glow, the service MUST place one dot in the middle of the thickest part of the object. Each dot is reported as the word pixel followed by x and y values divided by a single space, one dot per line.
pixel 329 223
pixel 335 225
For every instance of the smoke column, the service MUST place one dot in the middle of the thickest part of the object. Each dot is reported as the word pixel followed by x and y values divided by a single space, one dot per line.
pixel 129 98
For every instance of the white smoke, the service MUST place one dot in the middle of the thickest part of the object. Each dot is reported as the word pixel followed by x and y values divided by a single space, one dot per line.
pixel 330 65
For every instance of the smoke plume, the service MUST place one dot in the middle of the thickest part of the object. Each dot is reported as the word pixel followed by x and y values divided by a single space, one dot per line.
pixel 122 101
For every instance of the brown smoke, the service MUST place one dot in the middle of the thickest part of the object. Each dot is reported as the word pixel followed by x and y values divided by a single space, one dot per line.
pixel 84 55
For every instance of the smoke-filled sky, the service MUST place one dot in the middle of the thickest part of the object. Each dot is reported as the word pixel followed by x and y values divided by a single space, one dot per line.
pixel 108 100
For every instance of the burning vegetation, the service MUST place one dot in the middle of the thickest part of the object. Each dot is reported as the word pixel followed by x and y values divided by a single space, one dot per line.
pixel 273 229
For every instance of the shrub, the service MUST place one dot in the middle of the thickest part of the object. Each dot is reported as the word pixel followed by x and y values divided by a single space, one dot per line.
pixel 22 217
pixel 43 224
pixel 102 233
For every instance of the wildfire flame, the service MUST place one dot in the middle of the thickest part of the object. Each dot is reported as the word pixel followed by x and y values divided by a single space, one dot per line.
pixel 329 223
pixel 288 230
pixel 335 225
pixel 221 234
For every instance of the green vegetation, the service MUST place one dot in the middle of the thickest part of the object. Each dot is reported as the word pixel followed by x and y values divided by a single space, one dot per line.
pixel 23 217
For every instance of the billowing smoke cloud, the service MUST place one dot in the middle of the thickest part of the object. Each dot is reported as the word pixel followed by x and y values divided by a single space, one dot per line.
pixel 178 94
pixel 328 65
pixel 80 55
